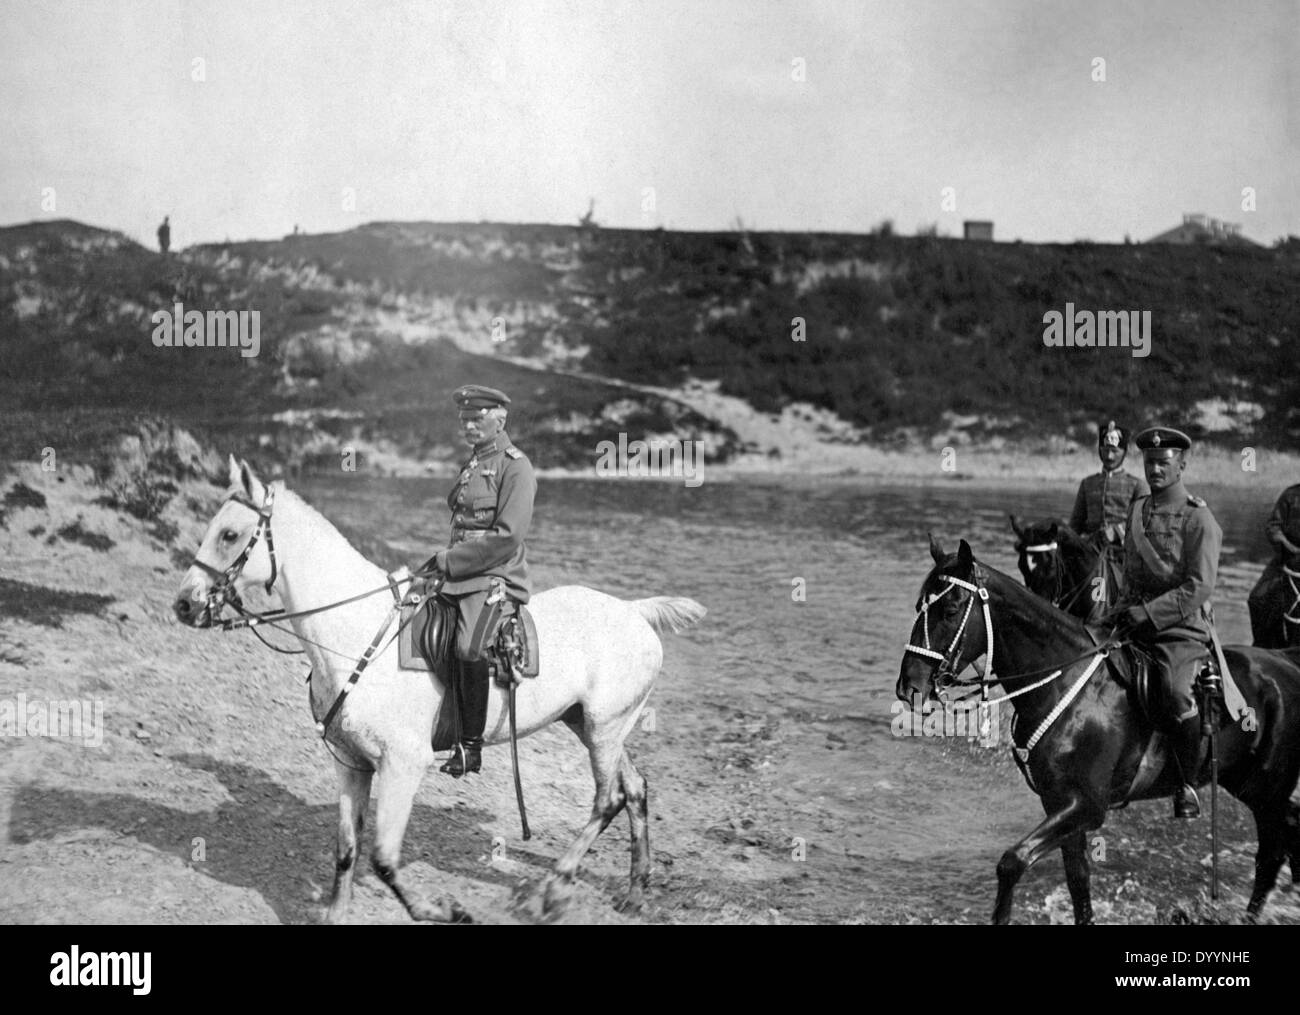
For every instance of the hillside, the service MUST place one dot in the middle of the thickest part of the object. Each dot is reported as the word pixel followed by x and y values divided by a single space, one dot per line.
pixel 341 364
pixel 907 340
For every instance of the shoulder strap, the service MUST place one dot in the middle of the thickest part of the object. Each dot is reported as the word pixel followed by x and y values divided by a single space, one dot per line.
pixel 1138 530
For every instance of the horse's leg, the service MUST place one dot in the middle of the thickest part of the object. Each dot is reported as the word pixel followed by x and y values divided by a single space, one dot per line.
pixel 398 781
pixel 606 754
pixel 637 793
pixel 1271 824
pixel 354 796
pixel 1052 832
pixel 1074 853
pixel 1293 841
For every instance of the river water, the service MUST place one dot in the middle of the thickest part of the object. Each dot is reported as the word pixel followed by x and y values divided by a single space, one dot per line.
pixel 911 827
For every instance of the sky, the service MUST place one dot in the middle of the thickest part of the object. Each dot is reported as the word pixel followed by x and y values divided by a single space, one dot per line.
pixel 245 119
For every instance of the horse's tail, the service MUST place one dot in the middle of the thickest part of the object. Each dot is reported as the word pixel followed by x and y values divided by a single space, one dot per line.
pixel 670 613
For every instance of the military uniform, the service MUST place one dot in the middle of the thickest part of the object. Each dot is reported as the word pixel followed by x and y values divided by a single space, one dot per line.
pixel 1102 505
pixel 1266 599
pixel 1170 569
pixel 1104 501
pixel 484 569
pixel 492 507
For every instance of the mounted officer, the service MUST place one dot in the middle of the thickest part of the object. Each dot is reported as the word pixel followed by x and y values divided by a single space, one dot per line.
pixel 1266 602
pixel 484 568
pixel 1104 500
pixel 1171 564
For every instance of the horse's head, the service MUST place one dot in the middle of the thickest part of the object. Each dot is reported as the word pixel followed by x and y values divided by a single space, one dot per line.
pixel 237 551
pixel 1040 563
pixel 949 633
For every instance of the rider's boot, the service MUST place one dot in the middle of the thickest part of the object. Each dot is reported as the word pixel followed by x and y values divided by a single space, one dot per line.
pixel 472 696
pixel 1185 739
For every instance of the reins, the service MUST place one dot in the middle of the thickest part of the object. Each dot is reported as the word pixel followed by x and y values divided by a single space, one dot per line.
pixel 223 592
pixel 947 665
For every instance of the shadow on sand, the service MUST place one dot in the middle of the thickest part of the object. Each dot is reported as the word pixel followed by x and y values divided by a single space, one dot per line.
pixel 265 839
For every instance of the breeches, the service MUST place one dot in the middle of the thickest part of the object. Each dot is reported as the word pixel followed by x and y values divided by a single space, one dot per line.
pixel 1176 659
pixel 477 623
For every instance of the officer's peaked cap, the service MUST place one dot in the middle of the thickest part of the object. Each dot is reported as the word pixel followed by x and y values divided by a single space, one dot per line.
pixel 1157 438
pixel 476 396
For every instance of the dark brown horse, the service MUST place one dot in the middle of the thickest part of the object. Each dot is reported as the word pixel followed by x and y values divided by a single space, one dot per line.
pixel 1066 569
pixel 1275 607
pixel 1081 739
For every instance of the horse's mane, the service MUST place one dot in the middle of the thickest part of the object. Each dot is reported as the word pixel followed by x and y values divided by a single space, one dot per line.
pixel 1019 598
pixel 318 522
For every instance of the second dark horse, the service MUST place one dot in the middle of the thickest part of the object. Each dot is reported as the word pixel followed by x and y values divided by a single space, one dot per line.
pixel 1080 733
pixel 1066 569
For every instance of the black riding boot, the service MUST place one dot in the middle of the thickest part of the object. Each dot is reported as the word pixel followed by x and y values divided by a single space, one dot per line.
pixel 472 697
pixel 1186 743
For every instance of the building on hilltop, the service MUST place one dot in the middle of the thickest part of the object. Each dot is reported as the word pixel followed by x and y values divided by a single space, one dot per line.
pixel 976 230
pixel 1198 228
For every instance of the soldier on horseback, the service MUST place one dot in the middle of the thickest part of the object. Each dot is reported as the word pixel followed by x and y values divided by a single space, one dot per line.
pixel 1102 505
pixel 484 568
pixel 1267 623
pixel 1172 562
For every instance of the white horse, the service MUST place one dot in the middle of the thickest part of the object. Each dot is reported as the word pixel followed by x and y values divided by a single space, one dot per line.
pixel 599 659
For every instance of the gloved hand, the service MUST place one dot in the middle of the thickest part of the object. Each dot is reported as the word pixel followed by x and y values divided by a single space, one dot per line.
pixel 1129 622
pixel 436 565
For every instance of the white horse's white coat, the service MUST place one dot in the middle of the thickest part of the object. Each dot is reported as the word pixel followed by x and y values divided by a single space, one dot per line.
pixel 596 652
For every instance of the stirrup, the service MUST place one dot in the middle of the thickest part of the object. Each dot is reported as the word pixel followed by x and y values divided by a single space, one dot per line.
pixel 1187 804
pixel 455 765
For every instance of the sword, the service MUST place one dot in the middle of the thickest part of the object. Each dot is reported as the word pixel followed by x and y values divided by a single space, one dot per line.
pixel 514 760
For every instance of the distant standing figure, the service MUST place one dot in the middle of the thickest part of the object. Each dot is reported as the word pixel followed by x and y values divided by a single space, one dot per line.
pixel 164 235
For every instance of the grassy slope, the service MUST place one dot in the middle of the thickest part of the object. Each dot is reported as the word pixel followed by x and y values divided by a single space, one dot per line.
pixel 79 365
pixel 900 331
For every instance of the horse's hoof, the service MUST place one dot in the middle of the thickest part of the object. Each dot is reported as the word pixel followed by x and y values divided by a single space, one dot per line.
pixel 434 912
pixel 633 904
pixel 555 898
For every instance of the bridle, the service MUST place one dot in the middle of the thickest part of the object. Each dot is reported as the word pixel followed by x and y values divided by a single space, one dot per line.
pixel 223 589
pixel 946 672
pixel 947 669
pixel 1291 615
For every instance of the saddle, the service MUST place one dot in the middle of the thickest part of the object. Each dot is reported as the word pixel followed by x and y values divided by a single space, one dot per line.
pixel 1135 678
pixel 428 636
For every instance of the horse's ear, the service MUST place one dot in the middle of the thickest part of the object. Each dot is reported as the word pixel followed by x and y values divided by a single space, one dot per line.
pixel 964 556
pixel 234 472
pixel 1015 527
pixel 1053 532
pixel 252 486
pixel 936 551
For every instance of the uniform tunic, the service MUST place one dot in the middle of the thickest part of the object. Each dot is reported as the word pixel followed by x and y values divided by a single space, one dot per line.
pixel 492 508
pixel 1170 568
pixel 1105 499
